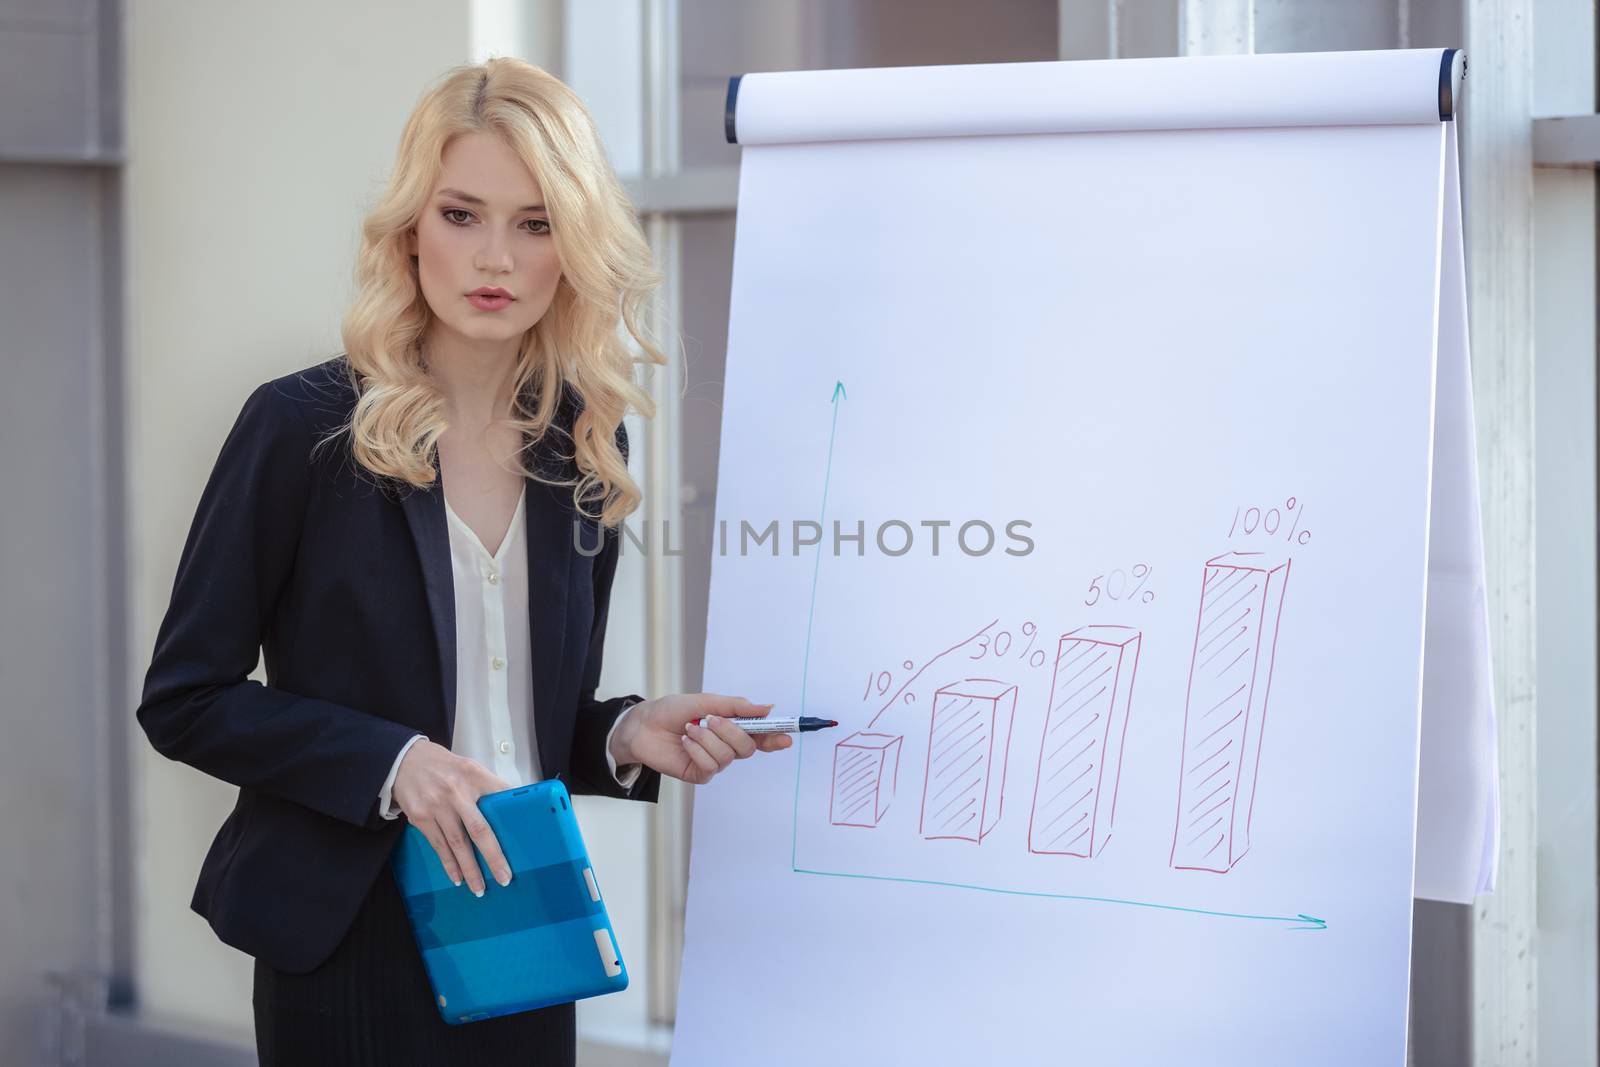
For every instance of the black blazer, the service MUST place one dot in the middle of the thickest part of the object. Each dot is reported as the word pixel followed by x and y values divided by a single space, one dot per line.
pixel 345 587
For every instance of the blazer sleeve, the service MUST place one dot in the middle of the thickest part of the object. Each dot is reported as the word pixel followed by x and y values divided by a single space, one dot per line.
pixel 198 706
pixel 591 773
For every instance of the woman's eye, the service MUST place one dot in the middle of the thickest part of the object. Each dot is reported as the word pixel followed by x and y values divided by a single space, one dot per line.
pixel 449 212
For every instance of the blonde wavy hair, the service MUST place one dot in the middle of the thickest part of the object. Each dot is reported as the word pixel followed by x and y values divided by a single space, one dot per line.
pixel 574 371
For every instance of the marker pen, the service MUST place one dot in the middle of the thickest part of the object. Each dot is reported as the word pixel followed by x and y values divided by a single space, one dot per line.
pixel 776 724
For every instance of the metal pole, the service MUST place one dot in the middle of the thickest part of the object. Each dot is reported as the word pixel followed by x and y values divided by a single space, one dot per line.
pixel 670 818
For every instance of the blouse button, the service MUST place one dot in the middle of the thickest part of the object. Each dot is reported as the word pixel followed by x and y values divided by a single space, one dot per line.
pixel 505 746
pixel 494 579
pixel 497 663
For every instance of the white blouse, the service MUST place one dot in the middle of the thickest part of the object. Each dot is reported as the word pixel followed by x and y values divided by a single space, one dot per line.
pixel 494 668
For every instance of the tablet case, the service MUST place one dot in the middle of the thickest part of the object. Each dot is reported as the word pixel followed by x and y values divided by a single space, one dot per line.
pixel 543 939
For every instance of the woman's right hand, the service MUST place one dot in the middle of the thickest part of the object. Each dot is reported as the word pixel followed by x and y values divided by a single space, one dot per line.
pixel 438 791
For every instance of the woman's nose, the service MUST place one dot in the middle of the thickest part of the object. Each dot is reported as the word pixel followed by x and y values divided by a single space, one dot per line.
pixel 494 255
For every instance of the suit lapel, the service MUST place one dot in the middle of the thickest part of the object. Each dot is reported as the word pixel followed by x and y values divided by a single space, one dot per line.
pixel 425 515
pixel 550 550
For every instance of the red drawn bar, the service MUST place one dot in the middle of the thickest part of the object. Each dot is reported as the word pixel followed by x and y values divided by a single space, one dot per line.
pixel 1080 759
pixel 865 767
pixel 963 790
pixel 1230 675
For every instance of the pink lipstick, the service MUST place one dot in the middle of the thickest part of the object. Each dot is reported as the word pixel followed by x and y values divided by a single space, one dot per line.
pixel 489 298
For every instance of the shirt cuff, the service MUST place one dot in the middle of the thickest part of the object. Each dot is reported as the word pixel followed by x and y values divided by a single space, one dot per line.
pixel 628 773
pixel 384 807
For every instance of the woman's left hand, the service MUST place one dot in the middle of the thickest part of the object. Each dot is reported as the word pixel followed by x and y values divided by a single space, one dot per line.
pixel 662 734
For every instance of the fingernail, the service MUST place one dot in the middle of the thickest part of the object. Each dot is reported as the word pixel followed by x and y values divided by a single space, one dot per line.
pixel 504 878
pixel 456 881
pixel 477 892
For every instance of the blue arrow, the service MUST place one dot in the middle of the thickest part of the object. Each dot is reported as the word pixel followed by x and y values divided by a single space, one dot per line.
pixel 827 476
pixel 1301 922
pixel 811 610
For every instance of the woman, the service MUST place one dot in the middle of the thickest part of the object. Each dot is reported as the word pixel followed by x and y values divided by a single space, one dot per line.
pixel 420 537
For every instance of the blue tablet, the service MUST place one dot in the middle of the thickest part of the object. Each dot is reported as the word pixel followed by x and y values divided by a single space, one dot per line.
pixel 544 939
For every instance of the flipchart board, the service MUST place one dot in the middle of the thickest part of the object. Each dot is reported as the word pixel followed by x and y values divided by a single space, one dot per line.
pixel 1098 449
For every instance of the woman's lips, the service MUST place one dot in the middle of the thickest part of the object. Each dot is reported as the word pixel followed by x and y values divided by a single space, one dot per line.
pixel 488 303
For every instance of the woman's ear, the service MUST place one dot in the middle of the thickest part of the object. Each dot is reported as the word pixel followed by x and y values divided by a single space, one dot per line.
pixel 411 241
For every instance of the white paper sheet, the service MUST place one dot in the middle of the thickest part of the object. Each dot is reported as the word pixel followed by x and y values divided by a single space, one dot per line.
pixel 1196 92
pixel 1142 789
pixel 1458 810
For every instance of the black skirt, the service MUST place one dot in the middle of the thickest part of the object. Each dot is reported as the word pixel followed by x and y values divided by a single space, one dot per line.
pixel 370 1003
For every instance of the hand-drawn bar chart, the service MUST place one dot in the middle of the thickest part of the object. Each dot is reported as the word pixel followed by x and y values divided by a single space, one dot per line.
pixel 1080 760
pixel 866 766
pixel 967 747
pixel 1230 675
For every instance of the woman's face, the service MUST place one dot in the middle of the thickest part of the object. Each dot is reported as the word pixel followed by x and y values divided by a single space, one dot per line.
pixel 485 225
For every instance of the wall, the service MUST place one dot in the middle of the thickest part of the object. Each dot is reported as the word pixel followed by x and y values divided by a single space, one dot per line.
pixel 60 538
pixel 257 134
pixel 1564 551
